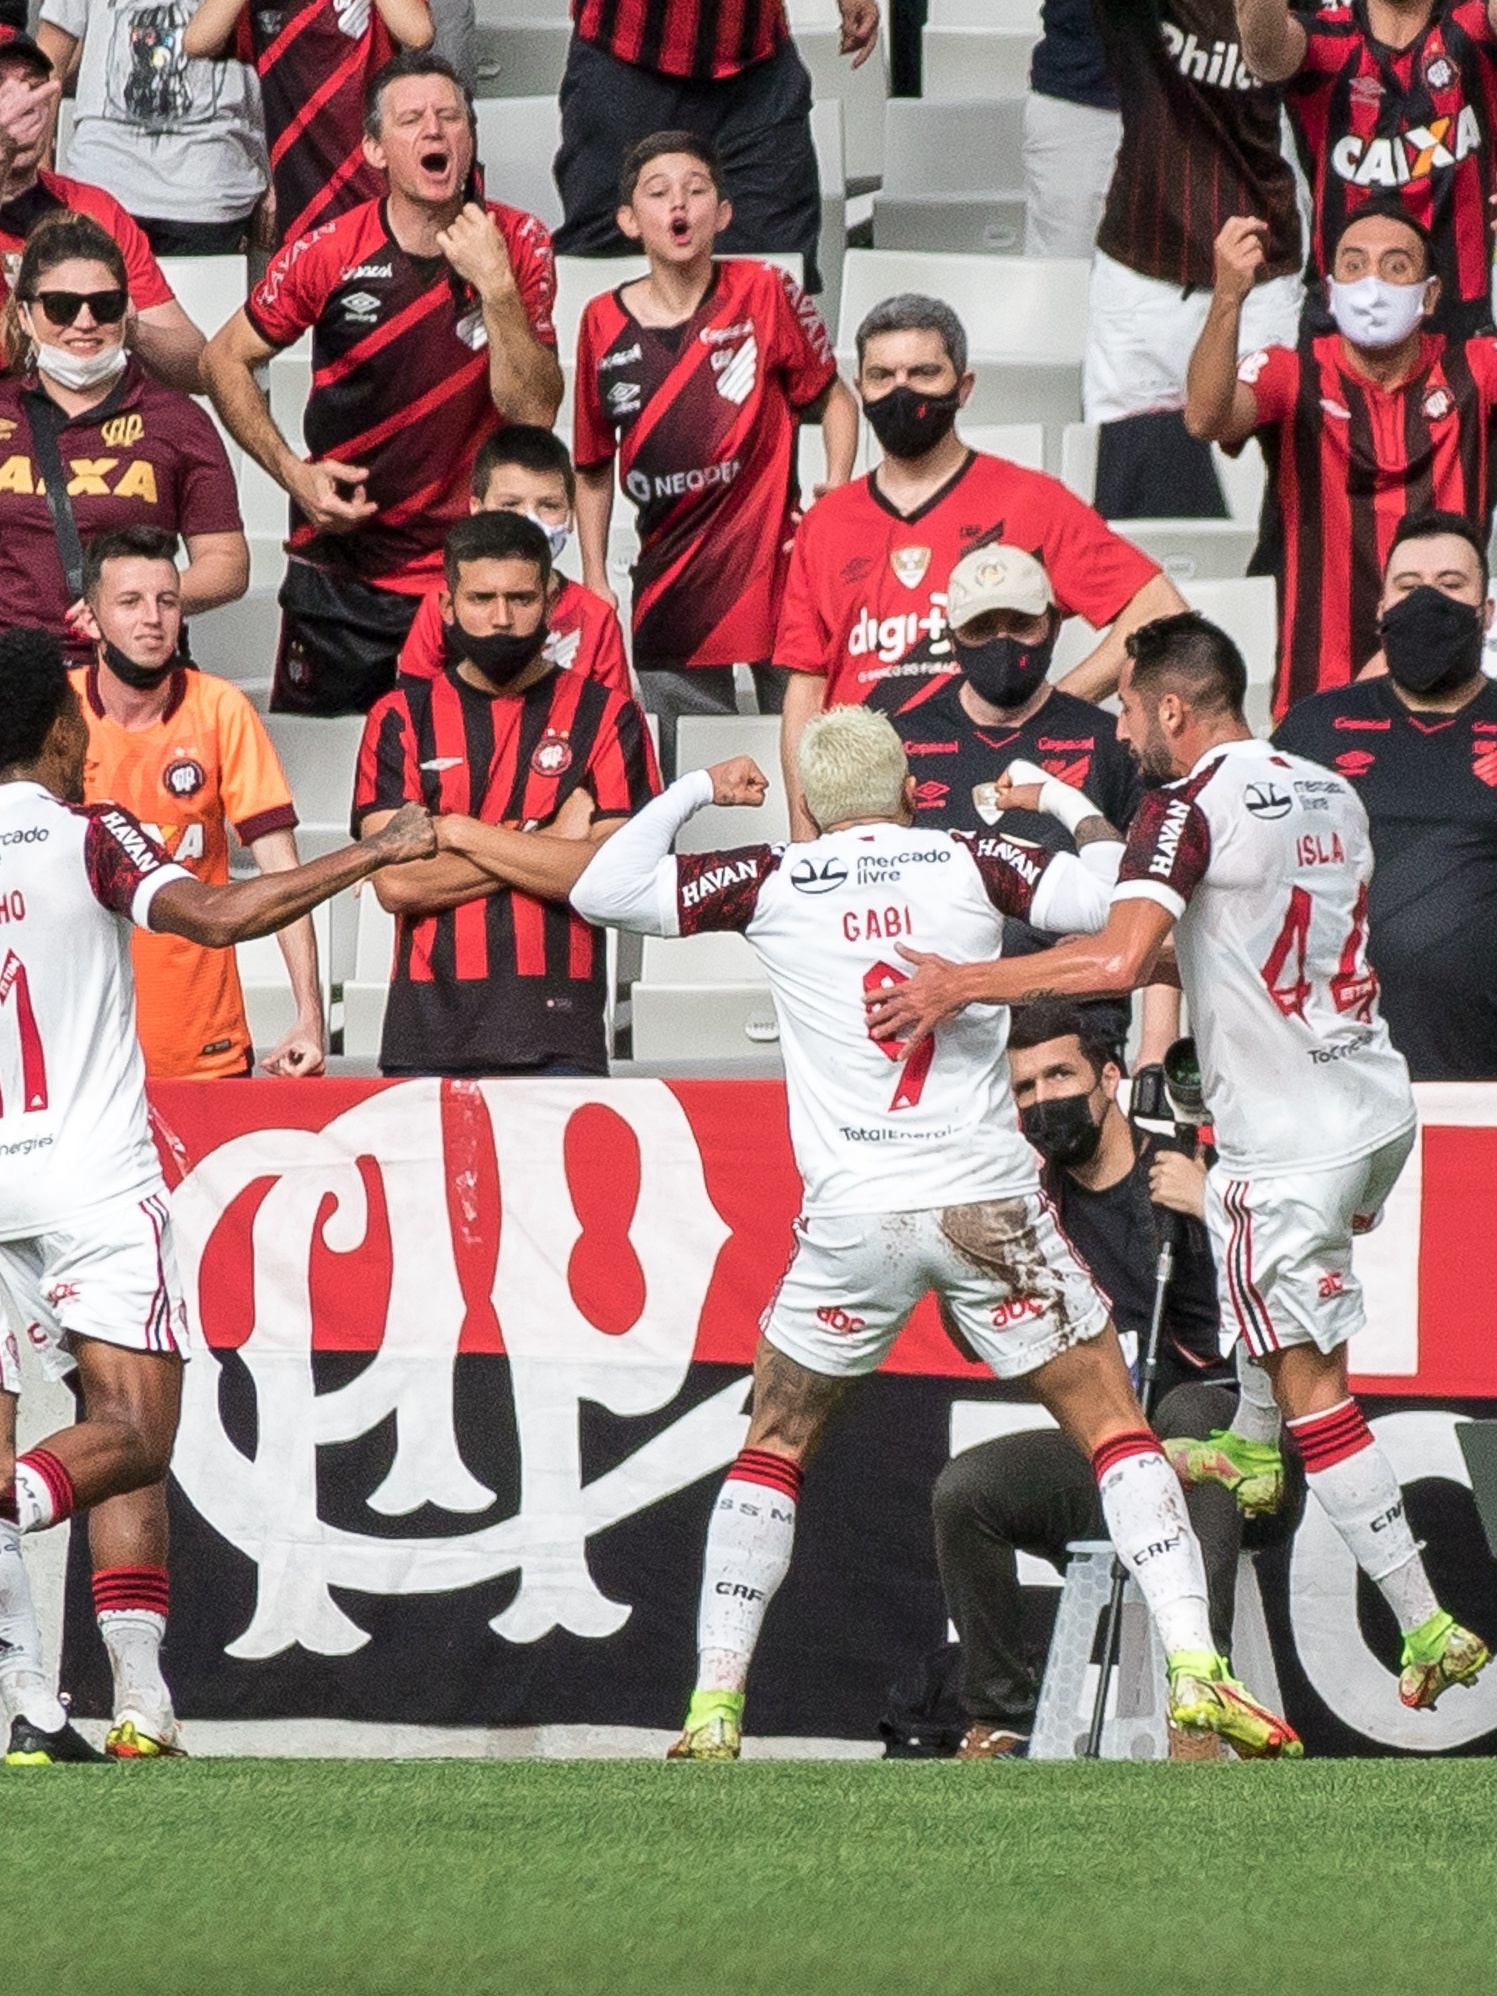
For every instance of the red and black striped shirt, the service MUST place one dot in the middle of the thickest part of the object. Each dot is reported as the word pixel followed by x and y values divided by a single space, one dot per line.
pixel 400 378
pixel 506 980
pixel 1348 460
pixel 313 58
pixel 704 40
pixel 703 419
pixel 1414 124
pixel 1200 144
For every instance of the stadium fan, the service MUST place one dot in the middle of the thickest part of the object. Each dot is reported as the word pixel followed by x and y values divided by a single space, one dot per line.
pixel 864 610
pixel 726 69
pixel 86 1253
pixel 160 331
pixel 89 441
pixel 1031 1491
pixel 431 325
pixel 916 1178
pixel 527 470
pixel 1258 864
pixel 494 973
pixel 315 60
pixel 1418 743
pixel 1071 132
pixel 1392 100
pixel 180 143
pixel 1201 141
pixel 697 375
pixel 1362 425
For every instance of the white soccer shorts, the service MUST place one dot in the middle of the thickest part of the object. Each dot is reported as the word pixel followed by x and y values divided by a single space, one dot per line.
pixel 1141 332
pixel 1016 1289
pixel 1283 1249
pixel 110 1276
pixel 10 1361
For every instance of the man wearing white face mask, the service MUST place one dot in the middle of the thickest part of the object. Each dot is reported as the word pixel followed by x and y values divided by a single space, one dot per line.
pixel 1360 426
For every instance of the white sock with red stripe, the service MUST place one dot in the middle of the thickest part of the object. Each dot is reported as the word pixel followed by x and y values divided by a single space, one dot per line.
pixel 130 1603
pixel 748 1554
pixel 1152 1534
pixel 24 1683
pixel 1257 1417
pixel 1359 1493
pixel 44 1491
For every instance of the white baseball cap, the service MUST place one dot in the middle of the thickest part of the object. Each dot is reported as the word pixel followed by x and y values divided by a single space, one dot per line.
pixel 997 578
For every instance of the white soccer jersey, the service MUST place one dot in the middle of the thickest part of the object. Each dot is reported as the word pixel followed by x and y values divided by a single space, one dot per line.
pixel 73 1126
pixel 872 1131
pixel 1265 859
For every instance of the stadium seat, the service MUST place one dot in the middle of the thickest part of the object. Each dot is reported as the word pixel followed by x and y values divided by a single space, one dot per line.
pixel 365 993
pixel 1246 608
pixel 210 289
pixel 1194 550
pixel 63 137
pixel 238 640
pixel 701 741
pixel 831 246
pixel 861 92
pixel 953 177
pixel 701 998
pixel 268 1003
pixel 517 141
pixel 978 48
pixel 319 758
pixel 1021 443
pixel 519 57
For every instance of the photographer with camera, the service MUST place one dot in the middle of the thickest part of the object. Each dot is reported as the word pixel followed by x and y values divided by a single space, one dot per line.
pixel 1115 1187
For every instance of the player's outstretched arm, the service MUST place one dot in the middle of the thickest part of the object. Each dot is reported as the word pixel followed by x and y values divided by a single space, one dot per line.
pixel 1116 960
pixel 630 883
pixel 220 916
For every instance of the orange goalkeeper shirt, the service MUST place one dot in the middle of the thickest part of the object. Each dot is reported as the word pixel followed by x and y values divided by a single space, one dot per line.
pixel 206 764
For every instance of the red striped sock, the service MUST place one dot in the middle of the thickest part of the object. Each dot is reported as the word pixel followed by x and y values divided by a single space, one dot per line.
pixel 775 1472
pixel 1117 1448
pixel 44 1490
pixel 122 1590
pixel 1328 1438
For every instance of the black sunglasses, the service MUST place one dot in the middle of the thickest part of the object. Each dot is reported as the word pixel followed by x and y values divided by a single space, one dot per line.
pixel 63 307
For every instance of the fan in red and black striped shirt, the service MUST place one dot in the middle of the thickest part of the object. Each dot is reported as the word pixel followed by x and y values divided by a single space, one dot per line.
pixel 314 58
pixel 1361 431
pixel 1394 103
pixel 526 767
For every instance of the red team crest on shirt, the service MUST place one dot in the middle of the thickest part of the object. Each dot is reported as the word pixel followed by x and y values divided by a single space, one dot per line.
pixel 1438 403
pixel 552 757
pixel 909 565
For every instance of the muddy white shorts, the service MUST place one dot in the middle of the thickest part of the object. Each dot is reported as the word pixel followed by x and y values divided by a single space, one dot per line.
pixel 10 1359
pixel 1015 1288
pixel 112 1275
pixel 1283 1249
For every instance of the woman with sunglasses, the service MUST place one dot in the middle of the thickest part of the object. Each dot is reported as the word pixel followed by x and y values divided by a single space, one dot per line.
pixel 133 452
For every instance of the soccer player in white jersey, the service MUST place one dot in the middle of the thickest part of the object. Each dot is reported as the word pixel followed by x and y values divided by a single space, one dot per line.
pixel 1258 862
pixel 86 1258
pixel 916 1175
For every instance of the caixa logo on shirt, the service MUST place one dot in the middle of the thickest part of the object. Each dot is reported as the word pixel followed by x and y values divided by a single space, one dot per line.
pixel 1408 155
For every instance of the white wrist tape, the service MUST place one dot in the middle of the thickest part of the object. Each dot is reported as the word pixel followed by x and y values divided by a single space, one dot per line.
pixel 1057 799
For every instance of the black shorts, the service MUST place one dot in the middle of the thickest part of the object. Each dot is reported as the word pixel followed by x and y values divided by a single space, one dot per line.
pixel 340 641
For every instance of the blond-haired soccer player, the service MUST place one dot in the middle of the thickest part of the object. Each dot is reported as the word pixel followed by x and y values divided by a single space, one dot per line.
pixel 916 1175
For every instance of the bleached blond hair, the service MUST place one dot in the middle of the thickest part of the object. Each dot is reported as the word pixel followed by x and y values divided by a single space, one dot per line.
pixel 851 765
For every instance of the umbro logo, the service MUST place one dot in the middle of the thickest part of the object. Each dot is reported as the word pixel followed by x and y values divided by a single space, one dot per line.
pixel 623 398
pixel 362 307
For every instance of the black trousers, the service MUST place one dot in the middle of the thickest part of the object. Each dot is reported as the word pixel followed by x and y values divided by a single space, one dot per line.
pixel 759 120
pixel 170 238
pixel 1034 1493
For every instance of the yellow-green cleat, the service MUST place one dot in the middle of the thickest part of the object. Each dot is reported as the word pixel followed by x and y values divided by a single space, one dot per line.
pixel 1252 1471
pixel 1436 1655
pixel 1206 1698
pixel 713 1729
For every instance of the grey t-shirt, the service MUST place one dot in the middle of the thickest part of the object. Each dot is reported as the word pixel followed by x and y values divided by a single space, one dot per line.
pixel 168 138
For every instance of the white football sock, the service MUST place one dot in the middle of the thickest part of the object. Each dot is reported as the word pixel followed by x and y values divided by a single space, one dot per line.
pixel 748 1554
pixel 133 1639
pixel 1257 1417
pixel 1152 1535
pixel 1354 1482
pixel 24 1684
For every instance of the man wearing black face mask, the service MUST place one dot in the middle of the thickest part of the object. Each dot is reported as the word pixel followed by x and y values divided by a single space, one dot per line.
pixel 528 768
pixel 1000 708
pixel 1417 736
pixel 1027 1491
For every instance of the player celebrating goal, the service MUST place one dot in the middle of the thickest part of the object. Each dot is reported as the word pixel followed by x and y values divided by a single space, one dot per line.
pixel 86 1258
pixel 916 1176
pixel 1259 862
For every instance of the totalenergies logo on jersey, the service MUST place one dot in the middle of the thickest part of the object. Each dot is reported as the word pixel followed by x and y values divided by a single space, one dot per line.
pixel 1406 156
pixel 1215 63
pixel 889 638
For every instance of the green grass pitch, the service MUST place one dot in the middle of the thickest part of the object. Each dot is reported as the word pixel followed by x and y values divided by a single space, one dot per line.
pixel 273 1878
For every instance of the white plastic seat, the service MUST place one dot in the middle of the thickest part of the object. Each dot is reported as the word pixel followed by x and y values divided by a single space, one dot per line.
pixel 268 1003
pixel 366 992
pixel 238 640
pixel 1245 608
pixel 520 57
pixel 210 289
pixel 705 739
pixel 1030 309
pixel 1193 550
pixel 517 141
pixel 974 62
pixel 831 247
pixel 701 998
pixel 319 758
pixel 953 177
pixel 861 92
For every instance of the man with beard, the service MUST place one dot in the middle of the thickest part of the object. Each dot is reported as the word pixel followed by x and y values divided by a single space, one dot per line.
pixel 864 614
